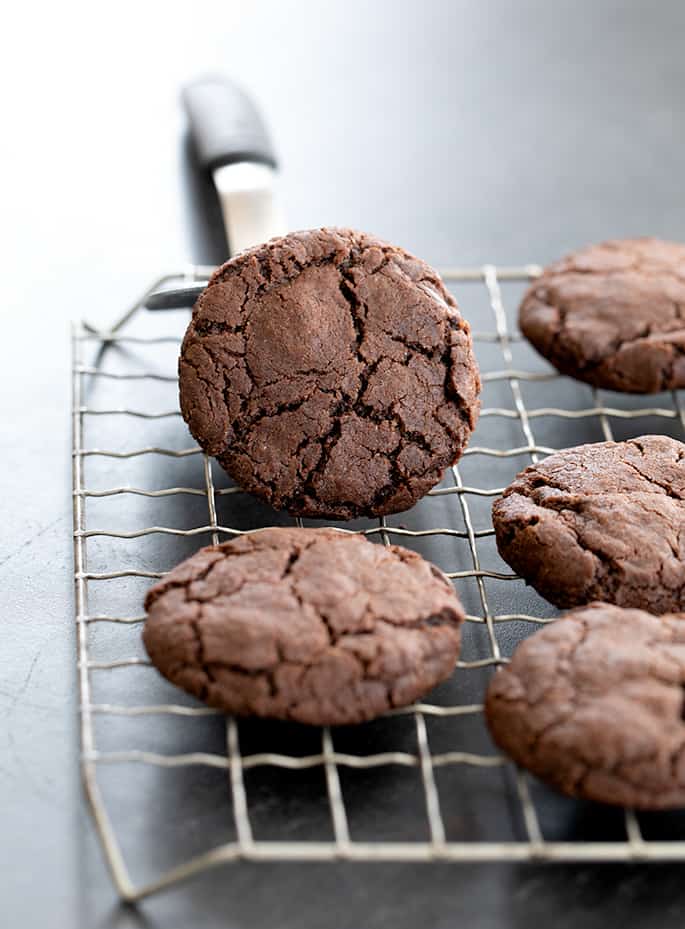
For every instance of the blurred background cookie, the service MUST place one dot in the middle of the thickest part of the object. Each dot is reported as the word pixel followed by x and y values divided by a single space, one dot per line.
pixel 613 315
pixel 593 705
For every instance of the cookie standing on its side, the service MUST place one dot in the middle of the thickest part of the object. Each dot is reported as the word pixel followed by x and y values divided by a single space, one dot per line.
pixel 613 315
pixel 593 705
pixel 600 522
pixel 314 625
pixel 330 373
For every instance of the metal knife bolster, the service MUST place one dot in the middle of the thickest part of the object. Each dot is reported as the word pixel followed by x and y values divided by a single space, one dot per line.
pixel 232 142
pixel 251 216
pixel 250 209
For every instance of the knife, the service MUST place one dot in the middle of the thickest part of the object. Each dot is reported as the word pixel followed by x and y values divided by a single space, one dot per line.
pixel 232 143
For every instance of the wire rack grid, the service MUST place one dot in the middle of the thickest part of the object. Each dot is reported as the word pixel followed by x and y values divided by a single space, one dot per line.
pixel 532 843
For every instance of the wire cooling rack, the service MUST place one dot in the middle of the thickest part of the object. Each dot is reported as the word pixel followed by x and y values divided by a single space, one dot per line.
pixel 446 814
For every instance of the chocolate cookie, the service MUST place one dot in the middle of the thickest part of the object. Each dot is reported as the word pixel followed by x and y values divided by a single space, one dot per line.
pixel 613 315
pixel 600 522
pixel 315 625
pixel 593 705
pixel 330 373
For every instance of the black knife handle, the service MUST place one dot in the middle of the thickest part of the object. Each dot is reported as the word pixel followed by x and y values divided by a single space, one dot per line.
pixel 225 124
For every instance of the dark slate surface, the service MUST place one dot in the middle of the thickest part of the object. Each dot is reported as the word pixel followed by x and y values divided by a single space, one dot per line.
pixel 467 132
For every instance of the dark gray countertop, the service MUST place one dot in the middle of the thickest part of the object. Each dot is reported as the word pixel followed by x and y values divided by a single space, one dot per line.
pixel 468 132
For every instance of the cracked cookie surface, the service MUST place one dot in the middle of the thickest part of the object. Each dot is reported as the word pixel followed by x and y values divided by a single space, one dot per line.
pixel 593 705
pixel 330 373
pixel 314 625
pixel 613 315
pixel 600 522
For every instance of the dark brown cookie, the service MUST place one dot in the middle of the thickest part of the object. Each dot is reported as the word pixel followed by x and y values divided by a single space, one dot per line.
pixel 593 705
pixel 600 522
pixel 330 373
pixel 314 625
pixel 613 315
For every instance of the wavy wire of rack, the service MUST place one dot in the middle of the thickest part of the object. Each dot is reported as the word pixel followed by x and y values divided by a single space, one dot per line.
pixel 532 844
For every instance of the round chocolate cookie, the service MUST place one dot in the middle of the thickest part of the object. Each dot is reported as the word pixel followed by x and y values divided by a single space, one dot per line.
pixel 613 315
pixel 593 705
pixel 600 522
pixel 330 373
pixel 315 625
